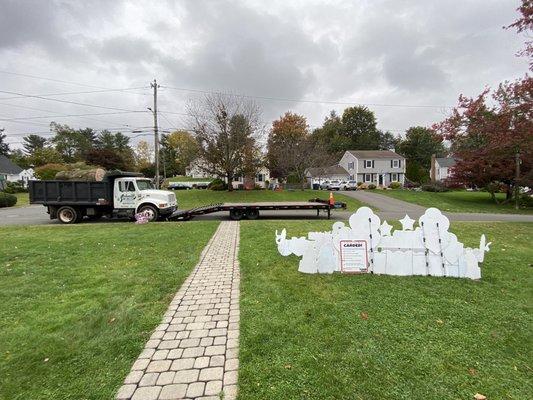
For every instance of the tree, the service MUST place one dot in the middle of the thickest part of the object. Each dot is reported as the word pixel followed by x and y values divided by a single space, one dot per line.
pixel 18 157
pixel 143 155
pixel 488 139
pixel 72 144
pixel 106 158
pixel 4 147
pixel 524 24
pixel 419 145
pixel 226 127
pixel 46 155
pixel 179 149
pixel 288 132
pixel 387 141
pixel 359 126
pixel 33 143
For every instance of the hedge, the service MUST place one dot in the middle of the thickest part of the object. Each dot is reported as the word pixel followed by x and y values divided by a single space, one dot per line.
pixel 7 200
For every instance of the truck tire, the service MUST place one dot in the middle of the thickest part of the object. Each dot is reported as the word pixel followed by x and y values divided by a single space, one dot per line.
pixel 151 210
pixel 68 215
pixel 252 213
pixel 236 214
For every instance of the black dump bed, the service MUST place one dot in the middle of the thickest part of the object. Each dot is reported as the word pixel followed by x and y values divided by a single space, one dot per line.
pixel 70 192
pixel 59 192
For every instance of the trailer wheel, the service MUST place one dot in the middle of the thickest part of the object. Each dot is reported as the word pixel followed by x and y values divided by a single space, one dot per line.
pixel 152 212
pixel 68 215
pixel 236 214
pixel 252 214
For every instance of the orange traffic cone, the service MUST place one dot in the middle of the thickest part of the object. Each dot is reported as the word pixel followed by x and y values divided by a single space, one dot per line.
pixel 331 199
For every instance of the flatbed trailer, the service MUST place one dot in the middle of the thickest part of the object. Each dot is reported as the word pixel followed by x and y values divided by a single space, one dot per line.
pixel 238 211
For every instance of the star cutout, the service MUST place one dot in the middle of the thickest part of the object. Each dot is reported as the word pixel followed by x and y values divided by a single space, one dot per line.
pixel 385 229
pixel 407 223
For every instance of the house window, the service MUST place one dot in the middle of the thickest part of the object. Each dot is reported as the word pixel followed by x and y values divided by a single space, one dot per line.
pixel 395 163
pixel 369 163
pixel 394 177
pixel 350 165
pixel 368 177
pixel 260 177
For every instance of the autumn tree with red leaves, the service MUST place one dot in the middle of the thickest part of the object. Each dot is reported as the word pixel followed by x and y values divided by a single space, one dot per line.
pixel 487 139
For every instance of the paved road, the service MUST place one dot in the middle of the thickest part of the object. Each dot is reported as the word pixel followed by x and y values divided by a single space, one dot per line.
pixel 391 210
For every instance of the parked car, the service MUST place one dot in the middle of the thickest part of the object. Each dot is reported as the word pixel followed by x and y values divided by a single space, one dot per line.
pixel 324 185
pixel 349 185
pixel 177 186
pixel 334 185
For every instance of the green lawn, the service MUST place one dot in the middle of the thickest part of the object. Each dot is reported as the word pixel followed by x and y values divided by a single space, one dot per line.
pixel 77 303
pixel 188 179
pixel 198 197
pixel 457 201
pixel 23 199
pixel 305 337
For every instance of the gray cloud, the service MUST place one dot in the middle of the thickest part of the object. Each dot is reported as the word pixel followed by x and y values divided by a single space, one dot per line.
pixel 379 52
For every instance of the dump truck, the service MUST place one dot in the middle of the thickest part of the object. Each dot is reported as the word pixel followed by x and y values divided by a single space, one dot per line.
pixel 118 195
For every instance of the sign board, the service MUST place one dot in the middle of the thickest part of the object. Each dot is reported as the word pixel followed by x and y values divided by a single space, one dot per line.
pixel 354 257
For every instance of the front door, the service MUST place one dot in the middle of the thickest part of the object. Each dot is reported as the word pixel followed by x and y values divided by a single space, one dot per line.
pixel 380 180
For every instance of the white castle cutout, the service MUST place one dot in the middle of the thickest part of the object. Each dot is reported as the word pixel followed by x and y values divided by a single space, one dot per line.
pixel 367 245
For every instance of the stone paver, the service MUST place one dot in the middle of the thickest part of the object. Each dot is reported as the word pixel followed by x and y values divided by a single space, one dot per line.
pixel 193 353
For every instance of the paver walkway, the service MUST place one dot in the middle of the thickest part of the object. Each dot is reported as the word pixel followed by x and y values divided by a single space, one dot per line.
pixel 193 353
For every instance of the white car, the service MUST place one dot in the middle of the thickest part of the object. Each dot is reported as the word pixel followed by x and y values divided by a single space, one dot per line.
pixel 324 185
pixel 334 185
pixel 349 185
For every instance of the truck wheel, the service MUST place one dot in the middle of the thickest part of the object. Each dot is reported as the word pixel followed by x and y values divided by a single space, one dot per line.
pixel 252 214
pixel 236 214
pixel 68 215
pixel 152 212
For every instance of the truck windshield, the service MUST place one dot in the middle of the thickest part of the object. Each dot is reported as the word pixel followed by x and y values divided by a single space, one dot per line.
pixel 144 184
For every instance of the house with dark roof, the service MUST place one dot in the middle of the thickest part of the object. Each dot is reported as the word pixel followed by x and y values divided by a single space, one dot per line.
pixel 441 168
pixel 380 167
pixel 11 172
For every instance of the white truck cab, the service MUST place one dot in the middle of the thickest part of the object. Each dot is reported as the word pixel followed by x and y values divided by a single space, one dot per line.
pixel 139 194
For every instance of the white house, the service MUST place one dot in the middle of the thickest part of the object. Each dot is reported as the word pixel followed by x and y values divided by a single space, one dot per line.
pixel 11 172
pixel 194 169
pixel 441 168
pixel 380 167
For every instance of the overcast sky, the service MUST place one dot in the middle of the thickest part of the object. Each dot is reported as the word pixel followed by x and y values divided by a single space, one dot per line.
pixel 406 60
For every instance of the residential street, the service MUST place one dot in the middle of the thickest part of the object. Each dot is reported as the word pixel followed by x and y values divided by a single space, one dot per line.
pixel 389 209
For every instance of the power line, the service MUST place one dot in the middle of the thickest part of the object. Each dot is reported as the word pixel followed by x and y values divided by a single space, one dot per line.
pixel 68 115
pixel 68 102
pixel 72 93
pixel 306 101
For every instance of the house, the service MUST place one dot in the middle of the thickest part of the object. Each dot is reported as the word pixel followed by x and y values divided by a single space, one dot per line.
pixel 380 167
pixel 441 168
pixel 11 172
pixel 260 179
pixel 195 170
pixel 320 174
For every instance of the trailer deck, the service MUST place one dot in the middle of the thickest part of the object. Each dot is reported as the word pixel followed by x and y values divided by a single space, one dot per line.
pixel 239 211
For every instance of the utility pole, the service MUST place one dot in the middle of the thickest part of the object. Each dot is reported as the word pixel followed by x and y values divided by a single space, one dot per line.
pixel 156 134
pixel 516 180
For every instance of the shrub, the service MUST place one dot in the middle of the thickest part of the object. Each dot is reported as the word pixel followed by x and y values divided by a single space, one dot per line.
pixel 359 184
pixel 49 171
pixel 7 200
pixel 395 185
pixel 435 187
pixel 217 184
pixel 14 187
pixel 371 186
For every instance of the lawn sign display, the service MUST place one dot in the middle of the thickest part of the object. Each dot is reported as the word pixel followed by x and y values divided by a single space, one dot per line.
pixel 369 246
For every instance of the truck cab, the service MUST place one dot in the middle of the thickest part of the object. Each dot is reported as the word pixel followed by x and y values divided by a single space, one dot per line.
pixel 134 193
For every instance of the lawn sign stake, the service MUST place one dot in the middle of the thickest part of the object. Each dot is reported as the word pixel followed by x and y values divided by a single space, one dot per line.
pixel 367 245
